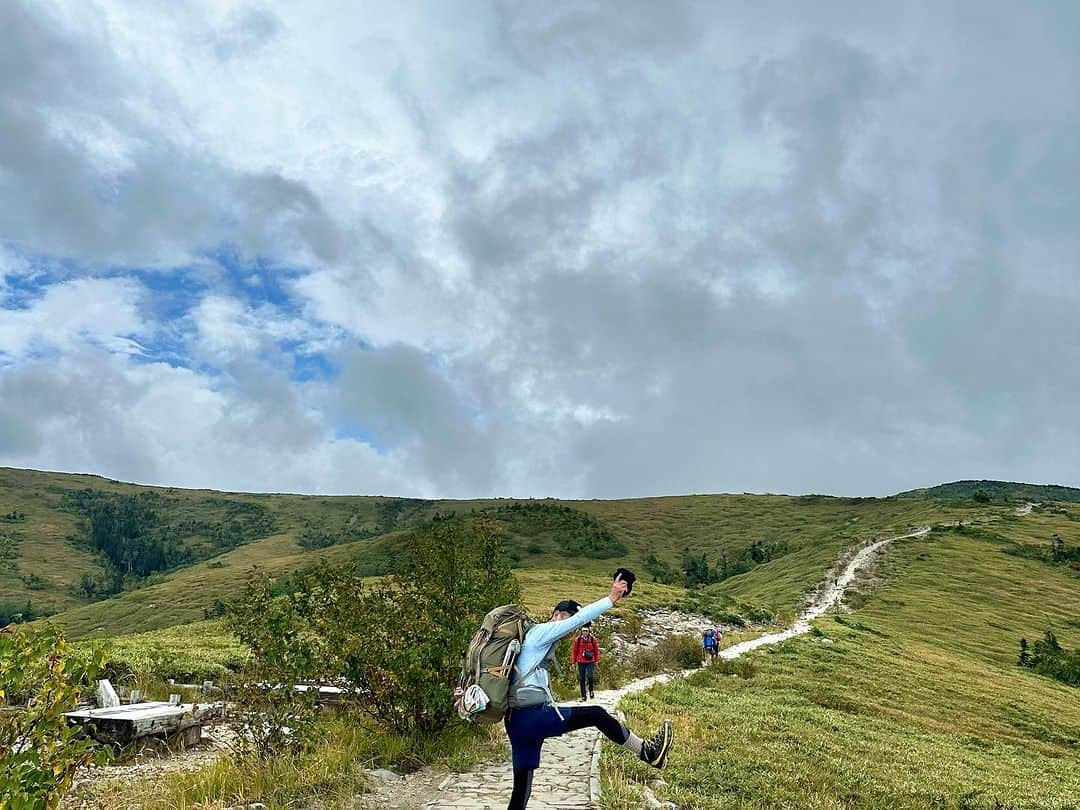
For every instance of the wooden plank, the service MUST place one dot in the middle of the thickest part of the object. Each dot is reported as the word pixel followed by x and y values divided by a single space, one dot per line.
pixel 123 724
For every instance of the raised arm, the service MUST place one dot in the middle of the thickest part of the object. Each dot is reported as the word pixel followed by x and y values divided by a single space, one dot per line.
pixel 550 632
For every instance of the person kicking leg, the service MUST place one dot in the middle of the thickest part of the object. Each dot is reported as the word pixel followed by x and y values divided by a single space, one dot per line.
pixel 535 717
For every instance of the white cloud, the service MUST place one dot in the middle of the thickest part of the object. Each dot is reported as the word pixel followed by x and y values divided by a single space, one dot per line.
pixel 103 312
pixel 591 250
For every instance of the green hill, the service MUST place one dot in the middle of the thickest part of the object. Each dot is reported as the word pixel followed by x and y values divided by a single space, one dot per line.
pixel 171 554
pixel 914 700
pixel 108 558
pixel 998 491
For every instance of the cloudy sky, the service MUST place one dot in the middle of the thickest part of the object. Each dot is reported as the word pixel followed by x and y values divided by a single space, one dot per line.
pixel 590 249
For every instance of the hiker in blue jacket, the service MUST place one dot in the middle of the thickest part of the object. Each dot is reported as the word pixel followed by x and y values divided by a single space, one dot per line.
pixel 535 717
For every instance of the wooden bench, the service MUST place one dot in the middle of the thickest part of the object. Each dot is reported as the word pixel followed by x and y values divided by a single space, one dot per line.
pixel 124 724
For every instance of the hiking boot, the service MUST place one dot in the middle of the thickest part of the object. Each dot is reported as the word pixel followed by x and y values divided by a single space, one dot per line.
pixel 592 695
pixel 655 749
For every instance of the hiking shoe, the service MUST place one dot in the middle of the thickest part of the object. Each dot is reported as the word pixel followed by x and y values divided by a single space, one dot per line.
pixel 655 749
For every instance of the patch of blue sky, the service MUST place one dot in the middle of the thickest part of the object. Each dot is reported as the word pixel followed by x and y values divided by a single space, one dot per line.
pixel 360 433
pixel 309 366
pixel 30 275
pixel 258 280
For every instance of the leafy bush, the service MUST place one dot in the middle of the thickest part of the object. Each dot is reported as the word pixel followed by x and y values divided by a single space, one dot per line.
pixel 675 652
pixel 39 752
pixel 273 718
pixel 399 642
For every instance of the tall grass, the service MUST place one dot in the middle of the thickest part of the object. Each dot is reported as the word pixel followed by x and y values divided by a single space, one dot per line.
pixel 331 772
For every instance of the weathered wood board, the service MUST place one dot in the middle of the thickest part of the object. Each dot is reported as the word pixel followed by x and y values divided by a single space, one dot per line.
pixel 122 724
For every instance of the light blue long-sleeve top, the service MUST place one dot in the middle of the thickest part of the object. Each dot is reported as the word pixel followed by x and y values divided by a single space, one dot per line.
pixel 542 637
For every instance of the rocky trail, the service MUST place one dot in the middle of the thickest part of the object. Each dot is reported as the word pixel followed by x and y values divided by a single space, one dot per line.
pixel 569 776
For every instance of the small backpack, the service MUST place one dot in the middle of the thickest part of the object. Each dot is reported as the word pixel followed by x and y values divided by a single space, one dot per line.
pixel 489 664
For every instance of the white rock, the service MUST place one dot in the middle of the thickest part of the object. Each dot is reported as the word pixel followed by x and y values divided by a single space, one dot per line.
pixel 649 800
pixel 383 775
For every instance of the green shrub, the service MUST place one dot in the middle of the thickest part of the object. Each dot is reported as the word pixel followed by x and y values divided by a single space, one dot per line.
pixel 39 751
pixel 398 642
pixel 1047 657
pixel 743 666
pixel 271 716
pixel 675 652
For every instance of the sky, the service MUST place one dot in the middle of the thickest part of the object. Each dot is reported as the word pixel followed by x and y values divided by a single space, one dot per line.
pixel 571 249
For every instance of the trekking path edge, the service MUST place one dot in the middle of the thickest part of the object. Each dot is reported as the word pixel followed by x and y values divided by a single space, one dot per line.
pixel 829 598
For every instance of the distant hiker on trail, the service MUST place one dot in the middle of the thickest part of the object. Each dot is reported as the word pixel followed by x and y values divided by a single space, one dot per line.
pixel 532 715
pixel 710 644
pixel 586 654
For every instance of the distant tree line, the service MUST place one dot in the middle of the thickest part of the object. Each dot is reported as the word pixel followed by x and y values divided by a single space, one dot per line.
pixel 573 533
pixel 1047 657
pixel 14 516
pixel 1057 552
pixel 697 570
pixel 139 535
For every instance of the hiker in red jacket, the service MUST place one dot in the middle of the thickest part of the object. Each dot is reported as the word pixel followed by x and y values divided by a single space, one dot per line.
pixel 586 656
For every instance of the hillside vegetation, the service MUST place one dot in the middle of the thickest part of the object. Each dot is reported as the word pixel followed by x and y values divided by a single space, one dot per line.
pixel 173 556
pixel 914 700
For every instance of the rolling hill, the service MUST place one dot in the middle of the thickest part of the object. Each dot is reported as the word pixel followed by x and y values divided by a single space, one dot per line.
pixel 914 699
pixel 105 558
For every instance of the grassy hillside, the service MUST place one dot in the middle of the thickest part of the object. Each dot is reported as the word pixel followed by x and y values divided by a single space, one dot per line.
pixel 912 701
pixel 209 549
pixel 1003 491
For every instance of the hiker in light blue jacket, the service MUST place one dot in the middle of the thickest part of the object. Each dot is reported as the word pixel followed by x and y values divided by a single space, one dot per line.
pixel 534 717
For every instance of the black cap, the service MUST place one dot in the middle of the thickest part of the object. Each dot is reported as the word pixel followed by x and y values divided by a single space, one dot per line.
pixel 567 606
pixel 628 576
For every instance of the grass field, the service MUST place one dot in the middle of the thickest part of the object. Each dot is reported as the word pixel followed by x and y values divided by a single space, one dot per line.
pixel 46 567
pixel 912 701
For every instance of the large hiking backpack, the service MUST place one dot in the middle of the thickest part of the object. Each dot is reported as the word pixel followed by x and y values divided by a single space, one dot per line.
pixel 487 669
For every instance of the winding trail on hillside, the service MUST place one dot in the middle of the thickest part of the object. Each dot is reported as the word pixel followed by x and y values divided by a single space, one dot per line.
pixel 569 775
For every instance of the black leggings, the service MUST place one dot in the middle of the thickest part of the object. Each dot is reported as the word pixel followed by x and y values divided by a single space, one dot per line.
pixel 579 717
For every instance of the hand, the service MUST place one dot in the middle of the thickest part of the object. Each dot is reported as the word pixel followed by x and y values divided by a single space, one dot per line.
pixel 618 589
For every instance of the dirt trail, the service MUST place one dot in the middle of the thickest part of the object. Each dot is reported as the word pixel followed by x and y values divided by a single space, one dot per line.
pixel 569 777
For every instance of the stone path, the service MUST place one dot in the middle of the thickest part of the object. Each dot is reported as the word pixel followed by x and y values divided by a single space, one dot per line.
pixel 569 777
